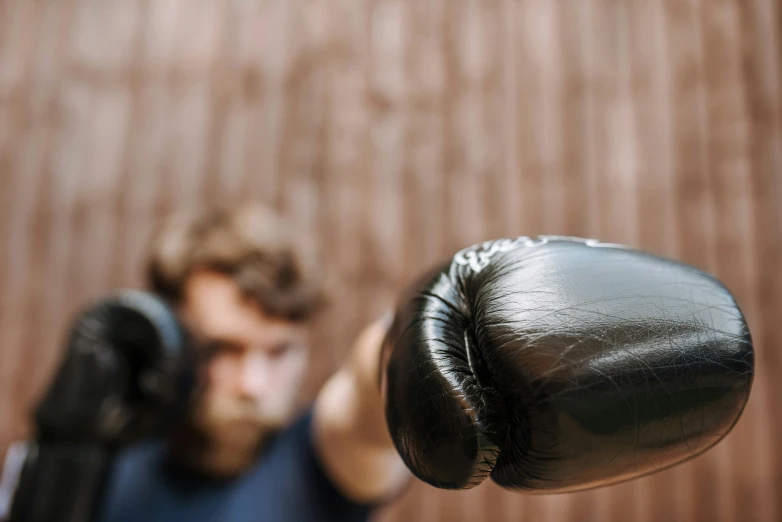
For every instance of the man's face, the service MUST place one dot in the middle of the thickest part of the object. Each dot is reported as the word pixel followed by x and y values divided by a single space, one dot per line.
pixel 254 371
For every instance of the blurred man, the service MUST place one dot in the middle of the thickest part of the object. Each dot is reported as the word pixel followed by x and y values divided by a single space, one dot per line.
pixel 244 287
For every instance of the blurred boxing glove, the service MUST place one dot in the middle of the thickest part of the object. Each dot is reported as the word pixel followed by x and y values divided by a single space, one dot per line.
pixel 126 373
pixel 557 364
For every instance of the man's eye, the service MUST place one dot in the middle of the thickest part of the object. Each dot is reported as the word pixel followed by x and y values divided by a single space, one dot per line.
pixel 280 350
pixel 225 348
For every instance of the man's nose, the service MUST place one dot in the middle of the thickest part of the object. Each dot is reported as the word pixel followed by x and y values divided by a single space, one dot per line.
pixel 254 378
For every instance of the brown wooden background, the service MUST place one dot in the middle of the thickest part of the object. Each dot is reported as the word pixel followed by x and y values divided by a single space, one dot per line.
pixel 395 132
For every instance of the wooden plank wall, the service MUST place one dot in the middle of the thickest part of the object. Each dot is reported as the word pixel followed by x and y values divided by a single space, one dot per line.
pixel 394 132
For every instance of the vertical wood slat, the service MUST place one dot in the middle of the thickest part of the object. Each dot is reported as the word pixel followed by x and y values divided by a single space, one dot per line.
pixel 762 59
pixel 31 110
pixel 392 133
pixel 16 56
pixel 692 485
pixel 728 150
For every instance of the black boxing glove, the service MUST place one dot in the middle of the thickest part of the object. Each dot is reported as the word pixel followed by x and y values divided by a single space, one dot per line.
pixel 558 364
pixel 126 374
pixel 126 371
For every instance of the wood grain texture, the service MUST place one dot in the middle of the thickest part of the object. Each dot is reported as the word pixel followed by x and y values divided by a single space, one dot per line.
pixel 391 133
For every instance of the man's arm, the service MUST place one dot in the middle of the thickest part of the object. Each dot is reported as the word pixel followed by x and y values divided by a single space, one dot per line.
pixel 350 431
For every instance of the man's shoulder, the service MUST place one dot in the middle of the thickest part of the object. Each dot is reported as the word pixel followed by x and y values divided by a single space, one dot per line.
pixel 300 429
pixel 298 474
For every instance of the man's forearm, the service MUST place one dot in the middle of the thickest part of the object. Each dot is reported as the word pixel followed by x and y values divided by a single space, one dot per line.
pixel 350 428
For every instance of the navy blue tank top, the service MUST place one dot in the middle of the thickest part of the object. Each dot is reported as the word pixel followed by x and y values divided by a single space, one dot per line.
pixel 286 484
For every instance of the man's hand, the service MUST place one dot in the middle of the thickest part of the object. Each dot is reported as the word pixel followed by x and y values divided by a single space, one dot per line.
pixel 350 431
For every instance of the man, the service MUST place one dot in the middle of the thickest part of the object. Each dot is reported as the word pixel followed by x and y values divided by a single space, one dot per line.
pixel 549 364
pixel 244 287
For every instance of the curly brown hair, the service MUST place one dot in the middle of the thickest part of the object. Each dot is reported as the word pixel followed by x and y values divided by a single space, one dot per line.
pixel 250 244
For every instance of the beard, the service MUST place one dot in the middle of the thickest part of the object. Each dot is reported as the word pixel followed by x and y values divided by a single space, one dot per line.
pixel 223 436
